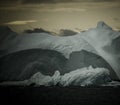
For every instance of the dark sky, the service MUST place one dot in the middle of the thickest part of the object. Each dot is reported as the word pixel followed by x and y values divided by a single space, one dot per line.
pixel 49 1
pixel 53 15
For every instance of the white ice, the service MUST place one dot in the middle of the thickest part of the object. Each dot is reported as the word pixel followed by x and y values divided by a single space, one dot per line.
pixel 86 76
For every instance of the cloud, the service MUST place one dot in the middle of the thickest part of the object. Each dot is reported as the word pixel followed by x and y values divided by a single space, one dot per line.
pixel 56 1
pixel 20 22
pixel 61 9
pixel 48 1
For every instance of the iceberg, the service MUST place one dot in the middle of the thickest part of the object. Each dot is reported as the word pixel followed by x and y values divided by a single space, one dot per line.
pixel 101 40
pixel 86 77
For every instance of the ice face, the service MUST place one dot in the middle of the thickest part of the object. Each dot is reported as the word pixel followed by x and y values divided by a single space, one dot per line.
pixel 23 64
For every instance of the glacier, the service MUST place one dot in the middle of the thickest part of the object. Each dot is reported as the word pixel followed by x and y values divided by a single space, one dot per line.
pixel 87 76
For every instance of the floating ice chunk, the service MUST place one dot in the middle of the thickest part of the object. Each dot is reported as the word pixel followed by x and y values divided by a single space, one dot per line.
pixel 56 78
pixel 112 83
pixel 39 79
pixel 85 77
pixel 46 80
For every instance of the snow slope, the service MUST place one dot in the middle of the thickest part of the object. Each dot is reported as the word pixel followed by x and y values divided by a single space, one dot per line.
pixel 65 45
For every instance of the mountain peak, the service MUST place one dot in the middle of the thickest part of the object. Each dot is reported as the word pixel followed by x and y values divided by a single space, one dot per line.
pixel 102 24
